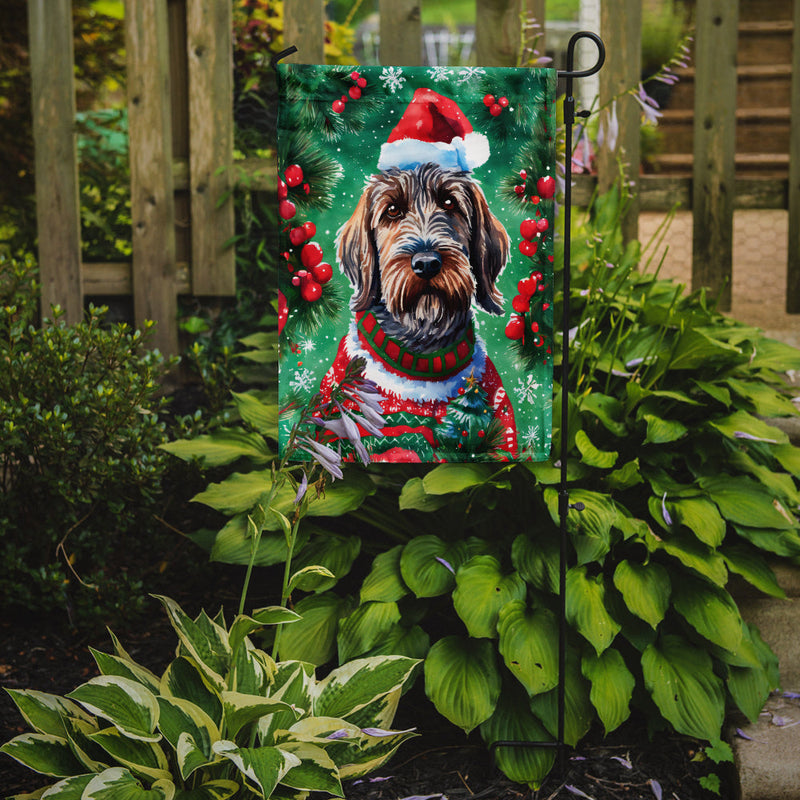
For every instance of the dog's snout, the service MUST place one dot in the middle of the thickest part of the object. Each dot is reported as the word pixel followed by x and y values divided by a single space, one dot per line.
pixel 426 265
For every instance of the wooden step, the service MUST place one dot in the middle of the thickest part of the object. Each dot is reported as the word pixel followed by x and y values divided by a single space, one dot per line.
pixel 765 42
pixel 754 10
pixel 767 165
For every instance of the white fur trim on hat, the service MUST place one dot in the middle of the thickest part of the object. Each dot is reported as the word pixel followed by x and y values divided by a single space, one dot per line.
pixel 464 154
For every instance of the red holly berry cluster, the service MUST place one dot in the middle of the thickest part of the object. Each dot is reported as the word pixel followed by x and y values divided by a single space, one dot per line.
pixel 528 288
pixel 495 107
pixel 545 188
pixel 353 93
pixel 292 177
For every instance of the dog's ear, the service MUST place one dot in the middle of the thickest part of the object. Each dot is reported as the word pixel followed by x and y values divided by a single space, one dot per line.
pixel 358 255
pixel 488 252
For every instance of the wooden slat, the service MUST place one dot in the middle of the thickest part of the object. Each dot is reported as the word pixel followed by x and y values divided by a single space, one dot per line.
pixel 793 266
pixel 210 55
pixel 304 27
pixel 113 279
pixel 714 147
pixel 400 32
pixel 152 202
pixel 497 32
pixel 621 29
pixel 56 161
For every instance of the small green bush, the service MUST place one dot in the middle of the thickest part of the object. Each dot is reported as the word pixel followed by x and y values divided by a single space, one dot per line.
pixel 79 466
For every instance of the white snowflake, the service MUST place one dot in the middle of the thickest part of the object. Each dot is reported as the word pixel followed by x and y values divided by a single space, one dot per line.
pixel 530 437
pixel 440 73
pixel 308 345
pixel 527 388
pixel 468 73
pixel 302 381
pixel 392 78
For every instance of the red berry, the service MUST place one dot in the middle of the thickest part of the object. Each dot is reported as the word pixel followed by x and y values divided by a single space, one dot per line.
pixel 297 236
pixel 495 110
pixel 537 276
pixel 322 273
pixel 528 248
pixel 520 190
pixel 295 280
pixel 306 188
pixel 545 306
pixel 523 174
pixel 527 228
pixel 535 327
pixel 283 190
pixel 521 304
pixel 362 82
pixel 354 75
pixel 354 92
pixel 546 187
pixel 286 209
pixel 344 98
pixel 311 255
pixel 293 175
pixel 310 229
pixel 542 225
pixel 515 328
pixel 536 199
pixel 337 106
pixel 310 290
pixel 503 101
pixel 481 434
pixel 527 286
pixel 283 311
pixel 488 100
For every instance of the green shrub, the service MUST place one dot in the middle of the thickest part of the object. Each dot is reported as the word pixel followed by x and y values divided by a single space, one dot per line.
pixel 223 720
pixel 79 466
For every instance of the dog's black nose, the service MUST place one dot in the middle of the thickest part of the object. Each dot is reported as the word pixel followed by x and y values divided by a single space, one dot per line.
pixel 426 265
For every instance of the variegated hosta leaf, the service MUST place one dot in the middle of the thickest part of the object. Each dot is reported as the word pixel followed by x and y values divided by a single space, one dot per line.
pixel 294 685
pixel 190 755
pixel 126 704
pixel 586 608
pixel 244 625
pixel 117 783
pixel 646 589
pixel 180 717
pixel 462 680
pixel 68 789
pixel 125 668
pixel 204 641
pixel 145 759
pixel 262 766
pixel 373 753
pixel 212 790
pixel 183 679
pixel 481 591
pixel 612 686
pixel 242 709
pixel 358 683
pixel 45 712
pixel 529 645
pixel 252 670
pixel 513 721
pixel 44 753
pixel 78 733
pixel 316 771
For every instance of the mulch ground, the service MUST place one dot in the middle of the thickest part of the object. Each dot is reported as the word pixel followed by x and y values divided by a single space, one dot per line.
pixel 441 762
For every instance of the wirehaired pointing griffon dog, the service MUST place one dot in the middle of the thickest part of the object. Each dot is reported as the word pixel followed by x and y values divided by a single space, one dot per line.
pixel 420 249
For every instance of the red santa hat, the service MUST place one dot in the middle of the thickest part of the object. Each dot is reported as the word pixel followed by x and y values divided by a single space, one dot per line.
pixel 433 129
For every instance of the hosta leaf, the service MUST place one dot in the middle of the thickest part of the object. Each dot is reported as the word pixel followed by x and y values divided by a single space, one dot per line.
pixel 696 349
pixel 771 354
pixel 78 732
pixel 709 610
pixel 586 608
pixel 740 422
pixel 701 517
pixel 44 753
pixel 261 416
pixel 746 561
pixel 591 455
pixel 234 545
pixel 683 685
pixel 182 679
pixel 212 790
pixel 223 446
pixel 190 755
pixel 125 668
pixel 612 687
pixel 788 456
pixel 537 561
pixel 263 766
pixel 481 591
pixel 413 496
pixel 68 789
pixel 645 588
pixel 117 783
pixel 316 771
pixel 365 627
pixel 334 553
pixel 385 582
pixel 242 709
pixel 126 704
pixel 513 721
pixel 237 493
pixel 694 554
pixel 313 638
pixel 294 684
pixel 716 391
pixel 244 625
pixel 178 716
pixel 749 688
pixel 399 640
pixel 745 502
pixel 608 410
pixel 428 564
pixel 44 712
pixel 782 543
pixel 454 478
pixel 597 517
pixel 626 476
pixel 529 645
pixel 145 759
pixel 358 683
pixel 462 680
pixel 767 401
pixel 663 431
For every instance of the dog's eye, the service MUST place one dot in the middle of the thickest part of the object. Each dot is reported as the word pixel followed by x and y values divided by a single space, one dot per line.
pixel 394 211
pixel 448 202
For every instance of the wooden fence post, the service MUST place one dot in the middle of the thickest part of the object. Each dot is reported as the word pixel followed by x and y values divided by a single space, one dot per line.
pixel 621 28
pixel 400 32
pixel 210 54
pixel 56 161
pixel 793 266
pixel 717 23
pixel 498 31
pixel 152 200
pixel 304 27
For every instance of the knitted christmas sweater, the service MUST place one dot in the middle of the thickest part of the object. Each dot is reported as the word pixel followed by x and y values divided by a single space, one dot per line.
pixel 416 390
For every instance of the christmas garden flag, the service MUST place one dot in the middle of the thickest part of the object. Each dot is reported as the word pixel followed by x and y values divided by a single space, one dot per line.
pixel 417 210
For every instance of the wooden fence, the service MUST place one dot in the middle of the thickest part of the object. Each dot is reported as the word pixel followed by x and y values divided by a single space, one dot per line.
pixel 181 141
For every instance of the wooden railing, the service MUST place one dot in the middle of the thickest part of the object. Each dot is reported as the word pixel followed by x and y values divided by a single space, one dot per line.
pixel 181 135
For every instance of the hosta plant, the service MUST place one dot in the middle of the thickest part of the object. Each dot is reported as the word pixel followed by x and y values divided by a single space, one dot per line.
pixel 223 721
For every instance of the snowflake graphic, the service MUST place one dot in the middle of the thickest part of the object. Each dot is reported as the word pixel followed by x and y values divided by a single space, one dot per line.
pixel 468 73
pixel 302 381
pixel 529 438
pixel 392 78
pixel 440 73
pixel 307 345
pixel 527 388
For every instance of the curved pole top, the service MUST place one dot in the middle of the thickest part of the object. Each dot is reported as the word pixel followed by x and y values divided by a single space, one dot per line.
pixel 570 72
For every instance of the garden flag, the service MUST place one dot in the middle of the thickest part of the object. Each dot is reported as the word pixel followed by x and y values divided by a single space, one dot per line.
pixel 416 206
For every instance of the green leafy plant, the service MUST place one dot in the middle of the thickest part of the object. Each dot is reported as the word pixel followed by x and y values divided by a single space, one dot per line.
pixel 79 430
pixel 223 720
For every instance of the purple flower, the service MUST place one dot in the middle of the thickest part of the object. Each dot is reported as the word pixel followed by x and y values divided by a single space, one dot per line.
pixel 342 733
pixel 446 564
pixel 301 489
pixel 624 761
pixel 608 132
pixel 649 106
pixel 325 456
pixel 380 732
pixel 751 437
pixel 577 792
pixel 664 512
pixel 742 735
pixel 655 786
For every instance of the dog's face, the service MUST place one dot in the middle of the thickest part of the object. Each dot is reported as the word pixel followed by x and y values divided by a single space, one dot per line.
pixel 423 242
